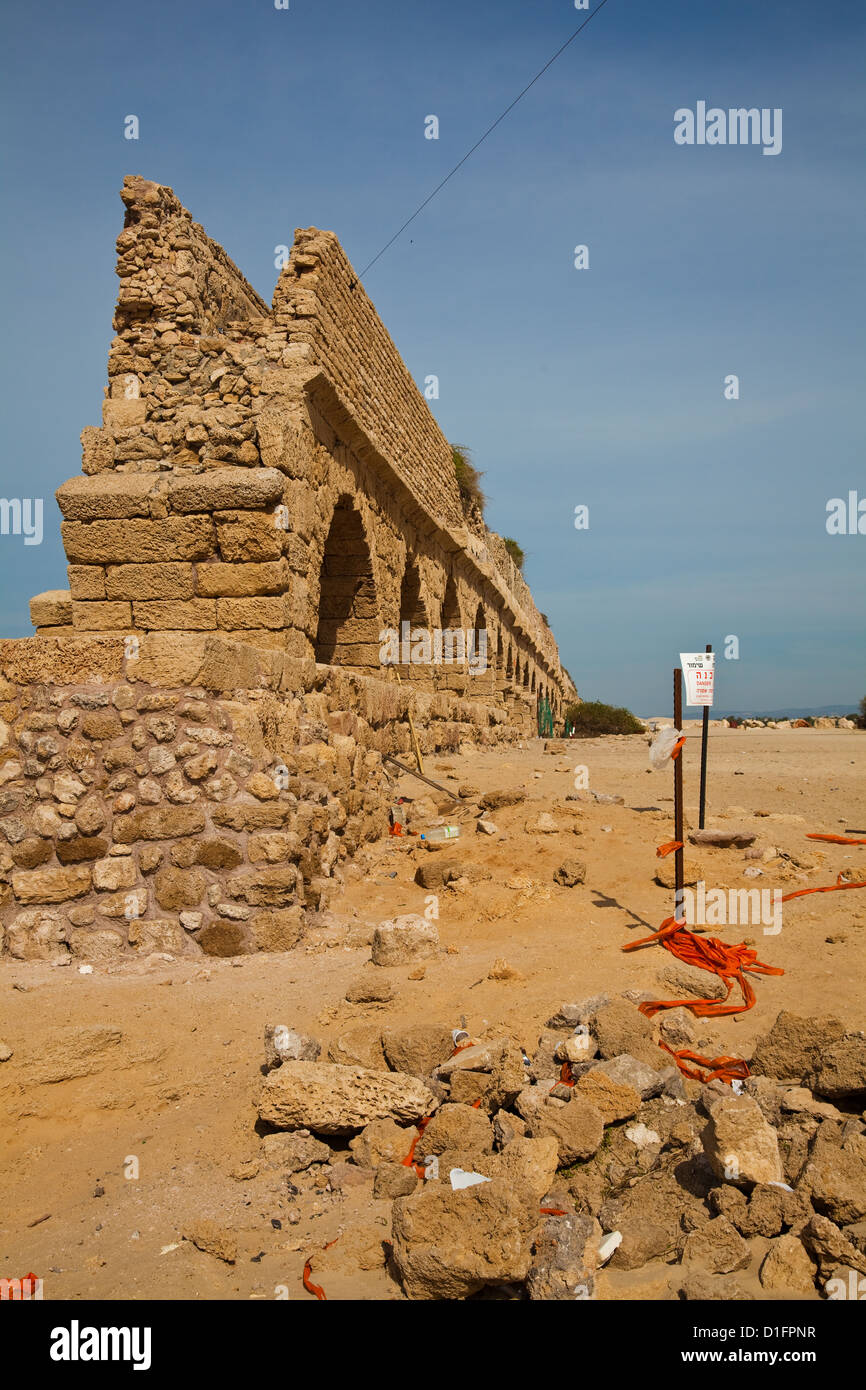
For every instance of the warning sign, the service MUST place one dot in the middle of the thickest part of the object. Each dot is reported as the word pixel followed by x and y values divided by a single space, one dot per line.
pixel 698 669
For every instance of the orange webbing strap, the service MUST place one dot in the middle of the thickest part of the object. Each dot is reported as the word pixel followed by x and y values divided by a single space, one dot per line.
pixel 668 848
pixel 565 1077
pixel 408 1161
pixel 836 887
pixel 308 1269
pixel 724 1068
pixel 678 747
pixel 708 953
pixel 835 839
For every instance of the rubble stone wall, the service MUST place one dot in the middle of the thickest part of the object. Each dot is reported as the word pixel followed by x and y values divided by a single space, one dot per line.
pixel 189 794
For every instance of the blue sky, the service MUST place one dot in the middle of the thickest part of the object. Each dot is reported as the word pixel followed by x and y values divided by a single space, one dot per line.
pixel 601 387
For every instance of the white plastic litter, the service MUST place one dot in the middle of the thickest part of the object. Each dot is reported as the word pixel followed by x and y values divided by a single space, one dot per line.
pixel 431 1167
pixel 662 746
pixel 608 1245
pixel 460 1178
pixel 85 969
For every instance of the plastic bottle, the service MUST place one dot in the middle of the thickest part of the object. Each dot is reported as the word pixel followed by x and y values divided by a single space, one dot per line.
pixel 442 832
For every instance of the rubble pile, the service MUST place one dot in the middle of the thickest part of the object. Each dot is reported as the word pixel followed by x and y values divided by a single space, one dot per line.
pixel 554 1173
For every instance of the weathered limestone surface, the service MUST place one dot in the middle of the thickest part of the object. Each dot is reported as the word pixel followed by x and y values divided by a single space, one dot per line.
pixel 275 474
pixel 190 747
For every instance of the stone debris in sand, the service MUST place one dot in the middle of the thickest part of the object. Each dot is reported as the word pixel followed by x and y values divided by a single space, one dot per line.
pixel 294 1151
pixel 334 1099
pixel 213 1239
pixel 283 1044
pixel 740 1145
pixel 570 873
pixel 405 940
pixel 723 839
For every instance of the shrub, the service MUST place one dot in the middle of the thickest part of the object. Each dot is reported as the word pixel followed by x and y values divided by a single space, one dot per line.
pixel 861 722
pixel 514 551
pixel 592 717
pixel 468 479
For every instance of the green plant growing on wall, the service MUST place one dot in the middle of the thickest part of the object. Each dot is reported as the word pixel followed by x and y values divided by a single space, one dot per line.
pixel 468 479
pixel 515 551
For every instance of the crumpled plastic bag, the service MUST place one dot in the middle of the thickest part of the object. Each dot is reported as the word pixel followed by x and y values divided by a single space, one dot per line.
pixel 662 746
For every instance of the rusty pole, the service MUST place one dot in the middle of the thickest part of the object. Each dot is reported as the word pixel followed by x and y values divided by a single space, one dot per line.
pixel 679 867
pixel 704 736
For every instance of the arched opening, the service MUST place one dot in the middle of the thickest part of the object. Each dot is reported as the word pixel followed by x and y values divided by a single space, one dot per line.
pixel 451 617
pixel 509 665
pixel 412 608
pixel 348 631
pixel 526 673
pixel 532 686
pixel 479 640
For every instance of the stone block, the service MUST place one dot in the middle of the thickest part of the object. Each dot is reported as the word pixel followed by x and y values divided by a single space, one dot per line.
pixel 138 541
pixel 86 581
pixel 108 496
pixel 53 608
pixel 141 582
pixel 248 536
pixel 192 615
pixel 218 580
pixel 99 616
pixel 238 613
pixel 219 488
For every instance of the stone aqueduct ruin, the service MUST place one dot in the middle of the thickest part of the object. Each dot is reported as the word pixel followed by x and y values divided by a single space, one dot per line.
pixel 275 474
pixel 191 744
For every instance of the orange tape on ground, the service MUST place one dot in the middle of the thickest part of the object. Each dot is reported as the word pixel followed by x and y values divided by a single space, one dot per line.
pixel 730 963
pixel 668 848
pixel 408 1161
pixel 836 887
pixel 308 1270
pixel 707 953
pixel 835 839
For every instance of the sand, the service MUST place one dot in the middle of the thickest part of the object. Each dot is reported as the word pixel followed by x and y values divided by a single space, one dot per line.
pixel 176 1092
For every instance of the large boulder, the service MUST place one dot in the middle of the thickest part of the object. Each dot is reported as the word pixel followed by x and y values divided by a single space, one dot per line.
pixel 456 1127
pixel 793 1048
pixel 717 1247
pixel 382 1141
pixel 333 1099
pixel 740 1145
pixel 619 1027
pixel 417 1048
pixel 576 1125
pixel 841 1069
pixel 836 1179
pixel 631 1071
pixel 787 1267
pixel 565 1258
pixel 450 1244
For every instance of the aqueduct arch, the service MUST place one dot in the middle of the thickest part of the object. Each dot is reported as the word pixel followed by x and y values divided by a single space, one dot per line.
pixel 348 628
pixel 201 503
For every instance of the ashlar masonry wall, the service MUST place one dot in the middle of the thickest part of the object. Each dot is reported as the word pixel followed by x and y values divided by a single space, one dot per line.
pixel 274 474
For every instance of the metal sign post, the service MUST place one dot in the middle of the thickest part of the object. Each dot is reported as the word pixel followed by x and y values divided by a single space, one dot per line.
pixel 704 736
pixel 699 671
pixel 679 864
